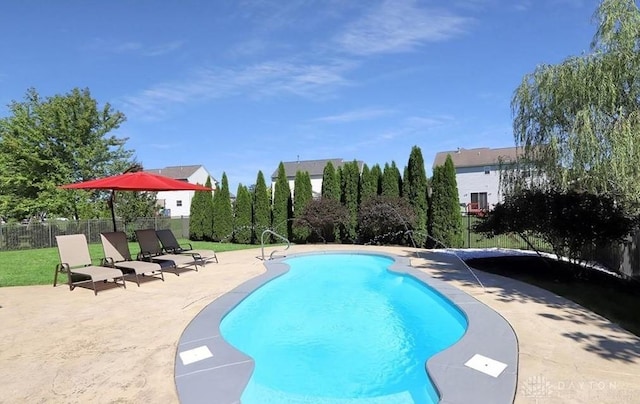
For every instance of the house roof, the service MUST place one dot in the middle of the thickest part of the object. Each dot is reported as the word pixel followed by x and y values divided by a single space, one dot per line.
pixel 477 157
pixel 313 167
pixel 176 172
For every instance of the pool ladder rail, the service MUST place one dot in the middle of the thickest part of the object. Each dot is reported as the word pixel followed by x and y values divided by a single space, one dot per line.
pixel 279 236
pixel 438 242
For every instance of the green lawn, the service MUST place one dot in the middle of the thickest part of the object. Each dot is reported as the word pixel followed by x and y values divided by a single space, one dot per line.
pixel 37 267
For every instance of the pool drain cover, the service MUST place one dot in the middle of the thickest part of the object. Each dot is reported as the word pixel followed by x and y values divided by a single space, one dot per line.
pixel 195 355
pixel 486 365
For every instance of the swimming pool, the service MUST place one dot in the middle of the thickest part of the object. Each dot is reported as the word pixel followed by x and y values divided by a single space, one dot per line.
pixel 341 328
pixel 210 370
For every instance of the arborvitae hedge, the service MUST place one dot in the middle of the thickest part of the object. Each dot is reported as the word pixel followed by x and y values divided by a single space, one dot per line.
pixel 376 175
pixel 405 185
pixel 302 194
pixel 282 204
pixel 261 209
pixel 201 215
pixel 222 212
pixel 330 183
pixel 391 180
pixel 368 184
pixel 416 192
pixel 350 179
pixel 242 215
pixel 445 218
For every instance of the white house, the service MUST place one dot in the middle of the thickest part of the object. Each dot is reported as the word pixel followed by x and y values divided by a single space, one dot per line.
pixel 178 203
pixel 315 168
pixel 478 174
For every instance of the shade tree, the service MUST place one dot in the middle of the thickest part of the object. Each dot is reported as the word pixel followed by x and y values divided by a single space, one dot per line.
pixel 49 141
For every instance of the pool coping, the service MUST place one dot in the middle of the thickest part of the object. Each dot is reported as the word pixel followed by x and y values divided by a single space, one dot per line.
pixel 224 375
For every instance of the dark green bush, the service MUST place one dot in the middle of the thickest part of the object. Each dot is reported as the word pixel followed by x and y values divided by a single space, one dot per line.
pixel 571 222
pixel 385 220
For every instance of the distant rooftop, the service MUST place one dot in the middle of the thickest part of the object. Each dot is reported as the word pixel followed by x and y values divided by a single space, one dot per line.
pixel 176 172
pixel 477 157
pixel 313 167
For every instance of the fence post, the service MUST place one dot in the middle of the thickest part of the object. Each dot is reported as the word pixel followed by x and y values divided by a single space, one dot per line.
pixel 468 230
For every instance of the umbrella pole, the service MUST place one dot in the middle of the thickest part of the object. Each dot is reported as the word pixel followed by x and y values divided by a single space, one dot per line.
pixel 113 213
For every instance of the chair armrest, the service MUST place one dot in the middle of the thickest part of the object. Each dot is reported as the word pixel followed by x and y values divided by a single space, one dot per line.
pixel 144 256
pixel 63 267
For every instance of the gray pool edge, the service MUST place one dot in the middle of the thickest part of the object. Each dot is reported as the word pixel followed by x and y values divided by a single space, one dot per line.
pixel 223 377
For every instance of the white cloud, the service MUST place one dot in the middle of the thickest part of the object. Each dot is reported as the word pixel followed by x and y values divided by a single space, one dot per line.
pixel 400 26
pixel 355 115
pixel 474 5
pixel 133 47
pixel 410 127
pixel 124 47
pixel 418 123
pixel 163 49
pixel 266 79
pixel 162 146
pixel 523 5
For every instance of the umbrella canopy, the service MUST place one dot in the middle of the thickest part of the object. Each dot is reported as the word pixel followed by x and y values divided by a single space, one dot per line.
pixel 136 181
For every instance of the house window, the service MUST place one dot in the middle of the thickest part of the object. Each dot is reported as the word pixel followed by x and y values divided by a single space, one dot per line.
pixel 479 200
pixel 487 170
pixel 178 203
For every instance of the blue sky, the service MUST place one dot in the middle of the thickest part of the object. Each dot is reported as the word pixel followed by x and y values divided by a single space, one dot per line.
pixel 240 85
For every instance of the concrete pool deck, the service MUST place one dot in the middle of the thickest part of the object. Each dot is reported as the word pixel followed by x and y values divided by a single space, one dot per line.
pixel 120 346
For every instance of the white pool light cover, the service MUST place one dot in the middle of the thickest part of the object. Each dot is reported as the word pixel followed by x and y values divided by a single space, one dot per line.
pixel 195 355
pixel 486 365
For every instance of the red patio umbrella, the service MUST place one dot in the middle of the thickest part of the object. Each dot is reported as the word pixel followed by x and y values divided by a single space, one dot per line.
pixel 136 181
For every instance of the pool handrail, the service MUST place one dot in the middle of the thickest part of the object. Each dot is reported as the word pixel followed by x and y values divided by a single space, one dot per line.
pixel 460 259
pixel 281 237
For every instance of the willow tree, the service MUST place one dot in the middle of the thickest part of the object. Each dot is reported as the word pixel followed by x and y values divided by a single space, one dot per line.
pixel 578 121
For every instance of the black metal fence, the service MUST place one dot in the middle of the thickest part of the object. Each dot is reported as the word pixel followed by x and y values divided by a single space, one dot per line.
pixel 42 235
pixel 622 258
pixel 477 240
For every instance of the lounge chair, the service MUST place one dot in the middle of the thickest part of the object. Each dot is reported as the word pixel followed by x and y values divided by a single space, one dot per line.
pixel 151 250
pixel 75 261
pixel 171 246
pixel 117 255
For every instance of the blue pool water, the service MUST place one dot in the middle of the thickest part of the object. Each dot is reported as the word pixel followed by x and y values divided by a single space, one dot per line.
pixel 341 328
